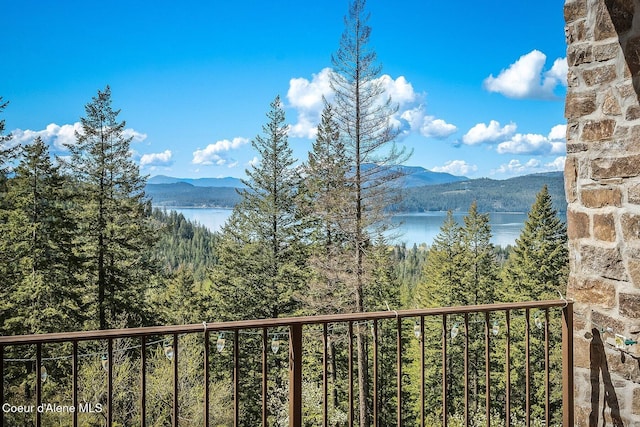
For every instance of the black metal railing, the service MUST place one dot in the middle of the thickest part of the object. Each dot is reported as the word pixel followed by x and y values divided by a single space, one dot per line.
pixel 486 370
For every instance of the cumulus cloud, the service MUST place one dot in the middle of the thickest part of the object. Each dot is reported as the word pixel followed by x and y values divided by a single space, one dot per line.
pixel 305 96
pixel 216 154
pixel 493 132
pixel 557 164
pixel 436 128
pixel 515 167
pixel 58 136
pixel 156 159
pixel 558 133
pixel 456 167
pixel 529 143
pixel 417 121
pixel 525 78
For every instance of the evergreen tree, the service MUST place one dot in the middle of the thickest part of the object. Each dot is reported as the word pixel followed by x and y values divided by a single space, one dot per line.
pixel 363 115
pixel 325 208
pixel 443 271
pixel 8 275
pixel 538 266
pixel 442 285
pixel 48 292
pixel 261 256
pixel 479 283
pixel 537 269
pixel 480 266
pixel 7 153
pixel 113 216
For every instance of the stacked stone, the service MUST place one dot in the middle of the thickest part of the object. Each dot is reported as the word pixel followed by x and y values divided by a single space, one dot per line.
pixel 602 178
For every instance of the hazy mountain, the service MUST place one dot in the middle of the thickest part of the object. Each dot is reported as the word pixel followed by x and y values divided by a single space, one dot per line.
pixel 198 182
pixel 423 191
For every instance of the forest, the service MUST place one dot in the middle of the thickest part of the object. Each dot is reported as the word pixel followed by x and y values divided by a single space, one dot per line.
pixel 81 248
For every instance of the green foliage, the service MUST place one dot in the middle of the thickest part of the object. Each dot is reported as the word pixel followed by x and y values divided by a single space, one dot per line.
pixel 537 269
pixel 114 229
pixel 324 204
pixel 538 266
pixel 509 195
pixel 183 244
pixel 261 256
pixel 46 290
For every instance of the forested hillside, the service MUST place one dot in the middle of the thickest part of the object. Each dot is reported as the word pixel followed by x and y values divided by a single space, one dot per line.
pixel 509 195
pixel 188 195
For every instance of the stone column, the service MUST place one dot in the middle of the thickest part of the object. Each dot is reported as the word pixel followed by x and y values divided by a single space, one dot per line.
pixel 602 179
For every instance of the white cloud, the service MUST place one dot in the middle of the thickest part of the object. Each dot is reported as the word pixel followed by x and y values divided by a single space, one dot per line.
pixel 456 167
pixel 525 79
pixel 558 133
pixel 254 161
pixel 400 91
pixel 515 167
pixel 530 143
pixel 481 133
pixel 305 96
pixel 135 136
pixel 415 120
pixel 436 128
pixel 216 153
pixel 557 164
pixel 156 159
pixel 58 136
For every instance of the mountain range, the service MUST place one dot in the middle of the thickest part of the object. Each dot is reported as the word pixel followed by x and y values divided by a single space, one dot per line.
pixel 424 190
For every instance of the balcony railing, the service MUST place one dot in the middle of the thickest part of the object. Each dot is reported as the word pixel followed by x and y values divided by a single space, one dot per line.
pixel 486 380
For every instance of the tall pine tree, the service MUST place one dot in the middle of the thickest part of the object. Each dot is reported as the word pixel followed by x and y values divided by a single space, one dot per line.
pixel 261 256
pixel 537 269
pixel 363 113
pixel 538 266
pixel 7 259
pixel 113 216
pixel 48 293
pixel 326 210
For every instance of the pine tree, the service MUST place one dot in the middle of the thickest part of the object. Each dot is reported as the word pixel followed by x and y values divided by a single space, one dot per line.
pixel 113 215
pixel 363 115
pixel 261 256
pixel 537 269
pixel 7 153
pixel 442 275
pixel 48 295
pixel 442 286
pixel 8 275
pixel 538 266
pixel 261 266
pixel 325 207
pixel 479 260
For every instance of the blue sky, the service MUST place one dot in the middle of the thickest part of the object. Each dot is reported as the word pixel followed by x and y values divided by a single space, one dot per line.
pixel 479 85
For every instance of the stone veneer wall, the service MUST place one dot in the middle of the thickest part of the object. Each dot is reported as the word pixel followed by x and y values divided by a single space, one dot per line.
pixel 602 178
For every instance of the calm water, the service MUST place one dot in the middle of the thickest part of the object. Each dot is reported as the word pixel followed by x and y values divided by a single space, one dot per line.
pixel 412 228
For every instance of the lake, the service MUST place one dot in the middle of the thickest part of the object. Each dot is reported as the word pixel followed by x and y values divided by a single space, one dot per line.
pixel 412 227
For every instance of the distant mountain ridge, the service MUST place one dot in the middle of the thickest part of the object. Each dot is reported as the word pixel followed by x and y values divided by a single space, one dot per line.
pixel 198 182
pixel 515 194
pixel 414 176
pixel 423 190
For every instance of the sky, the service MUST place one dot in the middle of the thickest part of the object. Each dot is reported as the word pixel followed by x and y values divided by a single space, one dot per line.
pixel 479 85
